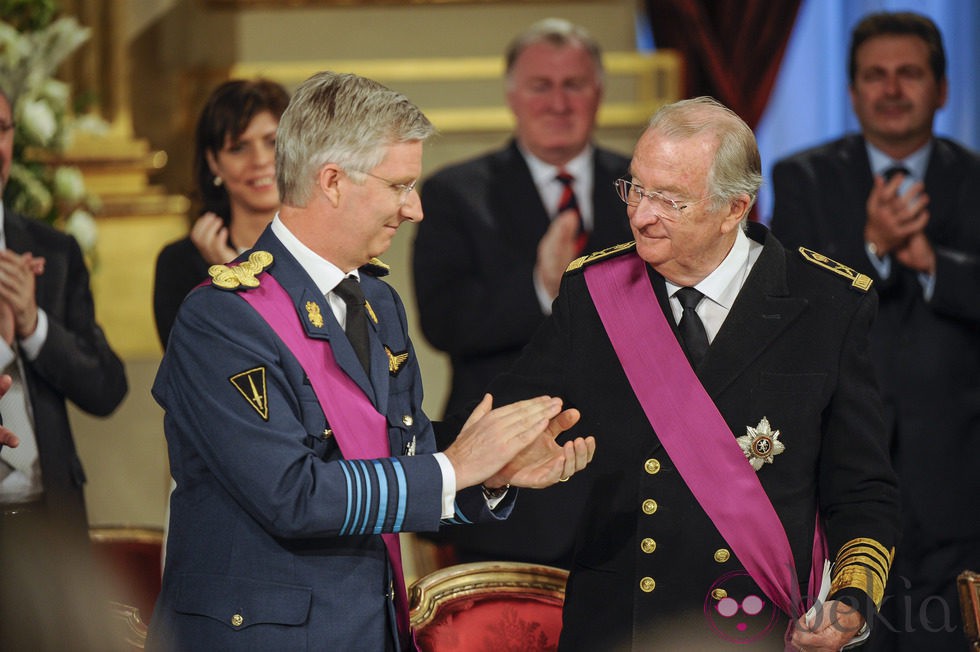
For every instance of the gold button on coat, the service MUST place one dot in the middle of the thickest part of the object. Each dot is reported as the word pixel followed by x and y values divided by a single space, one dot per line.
pixel 722 555
pixel 649 506
pixel 719 594
pixel 407 420
pixel 647 584
pixel 237 620
pixel 652 466
pixel 648 545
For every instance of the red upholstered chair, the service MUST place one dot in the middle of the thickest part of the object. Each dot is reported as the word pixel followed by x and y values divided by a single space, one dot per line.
pixel 969 587
pixel 500 606
pixel 131 558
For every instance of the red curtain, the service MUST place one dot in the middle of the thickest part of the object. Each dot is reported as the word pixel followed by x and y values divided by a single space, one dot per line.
pixel 731 48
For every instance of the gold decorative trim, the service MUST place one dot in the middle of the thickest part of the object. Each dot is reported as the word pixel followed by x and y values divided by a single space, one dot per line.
pixel 863 564
pixel 858 281
pixel 599 255
pixel 479 578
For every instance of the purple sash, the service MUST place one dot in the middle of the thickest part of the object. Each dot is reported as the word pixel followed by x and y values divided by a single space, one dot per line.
pixel 361 432
pixel 693 432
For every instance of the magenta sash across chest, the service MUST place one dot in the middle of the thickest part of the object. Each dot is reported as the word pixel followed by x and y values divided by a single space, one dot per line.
pixel 693 432
pixel 360 430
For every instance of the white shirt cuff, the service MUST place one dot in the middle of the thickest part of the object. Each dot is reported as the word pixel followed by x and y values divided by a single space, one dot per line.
pixel 448 485
pixel 31 345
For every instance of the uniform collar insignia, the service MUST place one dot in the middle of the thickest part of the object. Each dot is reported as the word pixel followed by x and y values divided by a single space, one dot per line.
pixel 760 444
pixel 395 360
pixel 314 315
pixel 242 275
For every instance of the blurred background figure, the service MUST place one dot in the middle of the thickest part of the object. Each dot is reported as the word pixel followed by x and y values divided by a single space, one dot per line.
pixel 54 351
pixel 234 166
pixel 899 204
pixel 500 230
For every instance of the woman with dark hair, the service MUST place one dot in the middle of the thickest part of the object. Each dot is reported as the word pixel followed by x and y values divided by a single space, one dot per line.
pixel 234 166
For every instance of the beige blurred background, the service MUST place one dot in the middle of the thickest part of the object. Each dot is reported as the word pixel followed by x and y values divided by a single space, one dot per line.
pixel 149 67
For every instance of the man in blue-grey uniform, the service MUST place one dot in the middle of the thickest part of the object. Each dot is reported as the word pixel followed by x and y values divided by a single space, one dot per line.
pixel 293 407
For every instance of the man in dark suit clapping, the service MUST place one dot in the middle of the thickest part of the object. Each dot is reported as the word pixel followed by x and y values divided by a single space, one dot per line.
pixel 500 230
pixel 55 351
pixel 899 204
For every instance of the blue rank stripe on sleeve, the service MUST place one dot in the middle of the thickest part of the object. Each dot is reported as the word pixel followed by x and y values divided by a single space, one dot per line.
pixel 402 493
pixel 379 470
pixel 371 486
pixel 459 519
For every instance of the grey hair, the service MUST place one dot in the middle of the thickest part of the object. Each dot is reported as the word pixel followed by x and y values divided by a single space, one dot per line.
pixel 344 119
pixel 737 168
pixel 559 33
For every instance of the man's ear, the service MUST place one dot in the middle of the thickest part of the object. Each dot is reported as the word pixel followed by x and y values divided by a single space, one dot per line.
pixel 738 209
pixel 328 180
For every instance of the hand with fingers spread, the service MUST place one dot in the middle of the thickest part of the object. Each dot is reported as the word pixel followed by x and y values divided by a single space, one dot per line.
pixel 210 235
pixel 17 290
pixel 894 217
pixel 515 444
pixel 556 249
pixel 543 462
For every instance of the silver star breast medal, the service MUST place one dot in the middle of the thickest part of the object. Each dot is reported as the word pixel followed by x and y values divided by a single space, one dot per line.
pixel 760 444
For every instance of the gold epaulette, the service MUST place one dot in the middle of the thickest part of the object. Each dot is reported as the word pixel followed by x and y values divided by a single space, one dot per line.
pixel 375 267
pixel 858 280
pixel 863 564
pixel 243 275
pixel 596 256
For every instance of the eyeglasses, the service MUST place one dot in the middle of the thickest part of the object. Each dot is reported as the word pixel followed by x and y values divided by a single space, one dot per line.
pixel 632 194
pixel 403 189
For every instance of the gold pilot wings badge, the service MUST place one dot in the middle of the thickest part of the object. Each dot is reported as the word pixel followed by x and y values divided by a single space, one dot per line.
pixel 395 360
pixel 760 444
pixel 251 385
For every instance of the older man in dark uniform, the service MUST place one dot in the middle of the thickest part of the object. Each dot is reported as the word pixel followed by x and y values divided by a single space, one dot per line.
pixel 740 435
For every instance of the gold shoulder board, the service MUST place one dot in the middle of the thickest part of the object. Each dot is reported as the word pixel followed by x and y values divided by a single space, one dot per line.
pixel 244 275
pixel 375 267
pixel 614 250
pixel 858 280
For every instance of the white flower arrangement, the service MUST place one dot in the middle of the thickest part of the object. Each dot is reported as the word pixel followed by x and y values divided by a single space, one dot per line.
pixel 30 53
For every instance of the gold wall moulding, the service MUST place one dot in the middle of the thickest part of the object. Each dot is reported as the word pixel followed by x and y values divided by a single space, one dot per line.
pixel 649 80
pixel 265 4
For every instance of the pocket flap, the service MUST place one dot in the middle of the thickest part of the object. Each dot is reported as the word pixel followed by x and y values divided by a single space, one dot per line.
pixel 239 602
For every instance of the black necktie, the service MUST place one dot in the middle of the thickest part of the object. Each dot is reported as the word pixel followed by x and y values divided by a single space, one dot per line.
pixel 694 337
pixel 893 170
pixel 567 202
pixel 357 327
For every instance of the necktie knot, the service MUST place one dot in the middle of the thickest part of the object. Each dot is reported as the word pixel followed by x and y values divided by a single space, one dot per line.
pixel 565 178
pixel 895 169
pixel 689 297
pixel 350 291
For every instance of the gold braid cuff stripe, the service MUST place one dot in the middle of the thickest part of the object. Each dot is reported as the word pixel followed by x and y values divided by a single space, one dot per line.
pixel 863 564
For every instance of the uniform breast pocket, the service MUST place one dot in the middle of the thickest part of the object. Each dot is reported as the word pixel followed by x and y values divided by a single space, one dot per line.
pixel 784 397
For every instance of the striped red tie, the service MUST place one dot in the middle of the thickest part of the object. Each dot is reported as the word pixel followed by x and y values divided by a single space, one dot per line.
pixel 569 202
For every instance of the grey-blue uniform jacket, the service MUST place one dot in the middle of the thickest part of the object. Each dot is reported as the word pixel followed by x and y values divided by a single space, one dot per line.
pixel 274 537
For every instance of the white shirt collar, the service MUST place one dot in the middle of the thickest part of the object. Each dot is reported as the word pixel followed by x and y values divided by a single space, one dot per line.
pixel 724 283
pixel 325 274
pixel 582 168
pixel 916 162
